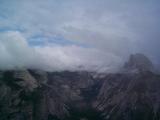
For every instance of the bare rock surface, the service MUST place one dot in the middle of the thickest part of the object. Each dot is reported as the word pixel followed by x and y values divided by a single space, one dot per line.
pixel 138 62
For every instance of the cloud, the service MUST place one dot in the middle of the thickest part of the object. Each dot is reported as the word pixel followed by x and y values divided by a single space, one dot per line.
pixel 15 51
pixel 17 54
pixel 85 30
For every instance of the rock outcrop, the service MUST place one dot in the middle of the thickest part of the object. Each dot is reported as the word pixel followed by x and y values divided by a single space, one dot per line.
pixel 130 97
pixel 138 62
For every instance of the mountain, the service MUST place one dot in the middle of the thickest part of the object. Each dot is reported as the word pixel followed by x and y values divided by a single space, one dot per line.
pixel 138 62
pixel 82 95
pixel 130 97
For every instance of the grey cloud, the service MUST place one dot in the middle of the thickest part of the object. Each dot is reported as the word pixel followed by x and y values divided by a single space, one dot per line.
pixel 109 27
pixel 17 54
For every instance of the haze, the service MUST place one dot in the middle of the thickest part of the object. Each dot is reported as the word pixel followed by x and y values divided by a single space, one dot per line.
pixel 77 34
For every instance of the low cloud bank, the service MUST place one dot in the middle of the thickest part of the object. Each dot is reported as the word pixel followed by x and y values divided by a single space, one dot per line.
pixel 16 53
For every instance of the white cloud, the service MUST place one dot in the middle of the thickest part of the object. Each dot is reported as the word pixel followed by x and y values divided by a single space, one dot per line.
pixel 112 29
pixel 16 53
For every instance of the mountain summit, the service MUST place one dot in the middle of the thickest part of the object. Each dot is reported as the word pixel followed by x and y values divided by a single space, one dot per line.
pixel 138 62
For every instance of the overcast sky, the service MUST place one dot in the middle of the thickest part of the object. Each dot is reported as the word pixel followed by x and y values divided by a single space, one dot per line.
pixel 69 34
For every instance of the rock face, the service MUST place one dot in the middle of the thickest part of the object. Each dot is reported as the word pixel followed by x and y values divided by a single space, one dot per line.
pixel 38 95
pixel 138 62
pixel 82 95
pixel 130 97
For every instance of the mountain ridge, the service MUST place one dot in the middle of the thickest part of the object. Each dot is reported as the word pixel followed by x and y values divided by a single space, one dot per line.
pixel 79 95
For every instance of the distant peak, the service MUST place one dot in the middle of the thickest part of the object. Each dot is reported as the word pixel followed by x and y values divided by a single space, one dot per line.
pixel 138 62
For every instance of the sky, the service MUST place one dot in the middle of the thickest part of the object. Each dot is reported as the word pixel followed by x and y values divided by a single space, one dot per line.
pixel 77 34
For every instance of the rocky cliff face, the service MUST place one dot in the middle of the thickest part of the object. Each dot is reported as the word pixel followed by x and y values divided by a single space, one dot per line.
pixel 138 63
pixel 82 95
pixel 130 97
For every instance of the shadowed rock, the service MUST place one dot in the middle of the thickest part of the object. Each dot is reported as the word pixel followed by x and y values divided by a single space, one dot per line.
pixel 138 62
pixel 82 95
